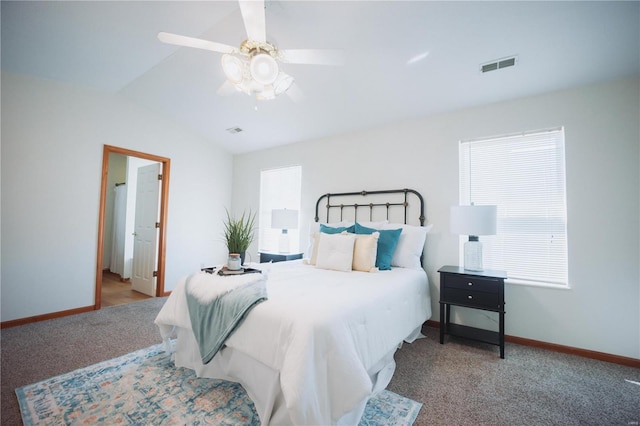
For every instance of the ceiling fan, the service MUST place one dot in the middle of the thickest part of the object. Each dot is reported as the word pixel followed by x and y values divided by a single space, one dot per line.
pixel 253 67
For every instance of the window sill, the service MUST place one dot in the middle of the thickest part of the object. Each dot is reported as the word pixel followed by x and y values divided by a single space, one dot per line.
pixel 537 284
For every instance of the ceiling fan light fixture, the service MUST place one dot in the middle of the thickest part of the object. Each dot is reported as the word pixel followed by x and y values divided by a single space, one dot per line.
pixel 264 68
pixel 233 68
pixel 243 86
pixel 266 94
pixel 282 83
pixel 253 67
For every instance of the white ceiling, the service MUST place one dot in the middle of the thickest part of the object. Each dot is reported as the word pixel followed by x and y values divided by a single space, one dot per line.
pixel 112 46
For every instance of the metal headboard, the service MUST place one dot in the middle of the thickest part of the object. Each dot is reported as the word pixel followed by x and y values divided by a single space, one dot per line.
pixel 371 206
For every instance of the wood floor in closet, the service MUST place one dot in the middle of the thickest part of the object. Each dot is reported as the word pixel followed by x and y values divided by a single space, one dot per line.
pixel 116 292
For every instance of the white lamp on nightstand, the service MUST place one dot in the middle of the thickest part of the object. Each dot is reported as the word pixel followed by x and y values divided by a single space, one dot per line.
pixel 284 219
pixel 473 221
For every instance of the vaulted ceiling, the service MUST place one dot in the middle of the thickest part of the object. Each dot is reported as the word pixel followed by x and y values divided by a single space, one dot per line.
pixel 403 59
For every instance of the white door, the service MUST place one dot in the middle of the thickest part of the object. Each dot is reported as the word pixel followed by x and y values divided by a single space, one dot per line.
pixel 145 240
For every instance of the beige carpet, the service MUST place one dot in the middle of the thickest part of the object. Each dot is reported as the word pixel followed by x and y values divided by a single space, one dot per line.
pixel 459 383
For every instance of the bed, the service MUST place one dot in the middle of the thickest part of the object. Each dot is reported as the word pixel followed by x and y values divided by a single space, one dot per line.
pixel 323 342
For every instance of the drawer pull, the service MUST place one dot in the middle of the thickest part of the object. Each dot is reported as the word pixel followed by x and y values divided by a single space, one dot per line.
pixel 469 283
pixel 469 297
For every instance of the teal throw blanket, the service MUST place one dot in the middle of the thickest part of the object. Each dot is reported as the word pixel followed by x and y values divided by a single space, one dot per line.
pixel 215 320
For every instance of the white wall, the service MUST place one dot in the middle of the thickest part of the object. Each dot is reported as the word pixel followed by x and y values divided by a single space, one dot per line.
pixel 601 122
pixel 52 140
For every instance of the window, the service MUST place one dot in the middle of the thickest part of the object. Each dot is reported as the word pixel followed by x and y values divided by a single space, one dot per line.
pixel 279 189
pixel 524 175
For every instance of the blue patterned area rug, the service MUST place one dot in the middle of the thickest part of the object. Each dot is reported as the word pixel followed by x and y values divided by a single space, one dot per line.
pixel 144 387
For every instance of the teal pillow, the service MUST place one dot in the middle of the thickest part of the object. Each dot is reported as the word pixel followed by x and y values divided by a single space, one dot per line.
pixel 330 230
pixel 387 243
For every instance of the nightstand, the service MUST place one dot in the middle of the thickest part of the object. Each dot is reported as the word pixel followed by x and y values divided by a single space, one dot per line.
pixel 278 257
pixel 472 289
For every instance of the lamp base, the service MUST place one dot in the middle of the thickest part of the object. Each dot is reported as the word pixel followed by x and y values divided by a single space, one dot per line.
pixel 473 254
pixel 283 242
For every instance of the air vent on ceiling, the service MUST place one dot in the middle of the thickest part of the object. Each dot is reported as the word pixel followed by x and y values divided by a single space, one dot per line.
pixel 234 130
pixel 498 64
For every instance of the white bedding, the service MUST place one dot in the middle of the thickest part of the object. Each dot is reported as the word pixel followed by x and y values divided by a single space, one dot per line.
pixel 319 347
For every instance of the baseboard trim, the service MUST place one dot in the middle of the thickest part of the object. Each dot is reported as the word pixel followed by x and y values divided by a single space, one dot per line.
pixel 44 317
pixel 585 353
pixel 59 314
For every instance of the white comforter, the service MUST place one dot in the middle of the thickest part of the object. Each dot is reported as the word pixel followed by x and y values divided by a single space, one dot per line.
pixel 324 332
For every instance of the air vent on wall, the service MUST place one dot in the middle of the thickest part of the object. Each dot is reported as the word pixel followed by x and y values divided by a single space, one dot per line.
pixel 498 64
pixel 234 130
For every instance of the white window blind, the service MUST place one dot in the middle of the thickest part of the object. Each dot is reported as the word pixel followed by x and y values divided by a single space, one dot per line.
pixel 279 189
pixel 524 175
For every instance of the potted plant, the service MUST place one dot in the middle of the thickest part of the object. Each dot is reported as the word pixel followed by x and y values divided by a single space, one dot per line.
pixel 239 233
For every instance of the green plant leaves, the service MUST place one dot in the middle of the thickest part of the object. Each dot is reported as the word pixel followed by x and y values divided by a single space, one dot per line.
pixel 239 233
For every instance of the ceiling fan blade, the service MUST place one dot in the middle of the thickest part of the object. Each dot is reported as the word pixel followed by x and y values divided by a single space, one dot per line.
pixel 313 56
pixel 254 20
pixel 180 40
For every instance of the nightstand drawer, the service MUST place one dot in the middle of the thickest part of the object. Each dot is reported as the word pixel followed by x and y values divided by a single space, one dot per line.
pixel 472 298
pixel 465 282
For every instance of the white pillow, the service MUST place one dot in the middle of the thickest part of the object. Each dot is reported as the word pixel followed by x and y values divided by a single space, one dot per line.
pixel 335 251
pixel 410 245
pixel 313 254
pixel 365 250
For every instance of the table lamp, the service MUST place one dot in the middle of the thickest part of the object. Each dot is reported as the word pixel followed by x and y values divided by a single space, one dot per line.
pixel 284 219
pixel 473 221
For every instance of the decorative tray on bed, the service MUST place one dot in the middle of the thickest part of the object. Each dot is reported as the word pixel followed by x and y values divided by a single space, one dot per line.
pixel 226 271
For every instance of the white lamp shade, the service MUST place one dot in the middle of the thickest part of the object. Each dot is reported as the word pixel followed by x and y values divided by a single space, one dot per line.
pixel 284 219
pixel 474 220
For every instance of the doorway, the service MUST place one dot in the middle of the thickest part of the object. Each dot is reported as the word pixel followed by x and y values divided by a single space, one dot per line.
pixel 159 253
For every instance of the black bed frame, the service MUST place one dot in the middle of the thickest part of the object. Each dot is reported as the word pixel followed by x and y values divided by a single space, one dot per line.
pixel 388 205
